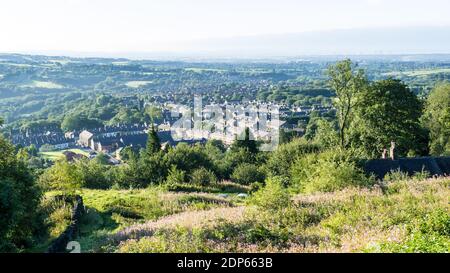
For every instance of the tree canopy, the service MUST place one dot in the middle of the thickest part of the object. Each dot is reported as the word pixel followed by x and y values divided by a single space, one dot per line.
pixel 388 111
pixel 437 119
pixel 347 82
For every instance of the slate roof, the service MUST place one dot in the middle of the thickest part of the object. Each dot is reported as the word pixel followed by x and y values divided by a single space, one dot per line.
pixel 434 165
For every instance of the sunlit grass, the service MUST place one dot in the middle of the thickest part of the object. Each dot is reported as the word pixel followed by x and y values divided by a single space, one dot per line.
pixel 56 155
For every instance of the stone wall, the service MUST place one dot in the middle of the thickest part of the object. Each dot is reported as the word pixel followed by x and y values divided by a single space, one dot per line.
pixel 59 244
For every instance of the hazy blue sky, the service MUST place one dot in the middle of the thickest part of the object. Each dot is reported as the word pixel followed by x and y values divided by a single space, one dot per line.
pixel 164 25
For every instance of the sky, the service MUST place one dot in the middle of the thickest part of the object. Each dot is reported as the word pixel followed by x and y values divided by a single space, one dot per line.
pixel 169 25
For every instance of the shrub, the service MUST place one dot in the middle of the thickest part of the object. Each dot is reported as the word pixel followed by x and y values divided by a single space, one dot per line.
pixel 327 172
pixel 428 235
pixel 62 176
pixel 203 177
pixel 396 176
pixel 273 196
pixel 282 159
pixel 73 176
pixel 187 158
pixel 178 240
pixel 233 158
pixel 175 176
pixel 246 174
pixel 94 175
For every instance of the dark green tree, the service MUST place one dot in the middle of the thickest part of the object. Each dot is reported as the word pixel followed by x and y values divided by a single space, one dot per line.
pixel 388 111
pixel 79 122
pixel 19 202
pixel 437 119
pixel 153 142
pixel 247 142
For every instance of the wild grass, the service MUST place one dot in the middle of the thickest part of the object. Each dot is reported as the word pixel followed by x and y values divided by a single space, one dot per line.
pixel 401 216
pixel 109 211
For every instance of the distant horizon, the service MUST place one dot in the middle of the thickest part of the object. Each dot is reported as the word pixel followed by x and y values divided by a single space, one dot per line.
pixel 122 55
pixel 425 40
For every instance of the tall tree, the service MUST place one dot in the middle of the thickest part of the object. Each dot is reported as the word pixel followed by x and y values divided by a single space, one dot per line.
pixel 437 119
pixel 153 142
pixel 347 82
pixel 246 142
pixel 388 111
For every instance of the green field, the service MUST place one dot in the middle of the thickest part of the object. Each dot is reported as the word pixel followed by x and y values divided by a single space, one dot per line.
pixel 199 70
pixel 416 73
pixel 59 154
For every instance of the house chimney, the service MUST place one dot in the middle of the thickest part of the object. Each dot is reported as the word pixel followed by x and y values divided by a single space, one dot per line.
pixel 392 151
pixel 384 154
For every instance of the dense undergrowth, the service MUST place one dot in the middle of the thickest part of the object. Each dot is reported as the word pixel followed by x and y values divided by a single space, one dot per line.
pixel 402 216
pixel 408 215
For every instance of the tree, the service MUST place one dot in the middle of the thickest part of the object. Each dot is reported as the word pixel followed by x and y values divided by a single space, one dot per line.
pixel 326 134
pixel 388 111
pixel 436 119
pixel 153 142
pixel 19 201
pixel 246 174
pixel 175 176
pixel 62 176
pixel 187 158
pixel 155 113
pixel 347 83
pixel 246 142
pixel 281 160
pixel 79 122
pixel 203 177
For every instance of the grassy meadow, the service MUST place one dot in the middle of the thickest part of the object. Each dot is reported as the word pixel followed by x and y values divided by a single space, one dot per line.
pixel 400 216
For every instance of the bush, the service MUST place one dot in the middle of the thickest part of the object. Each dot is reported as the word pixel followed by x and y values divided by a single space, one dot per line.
pixel 94 174
pixel 68 176
pixel 247 174
pixel 273 196
pixel 327 172
pixel 203 177
pixel 178 240
pixel 233 158
pixel 428 235
pixel 175 176
pixel 187 158
pixel 61 176
pixel 282 159
pixel 398 175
